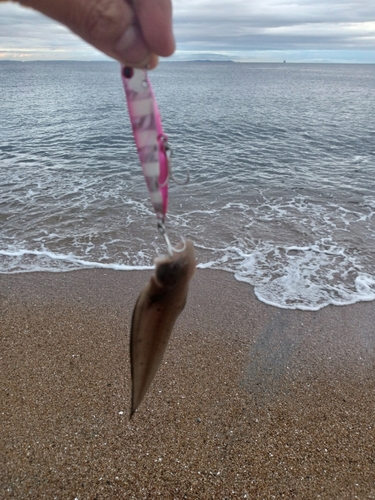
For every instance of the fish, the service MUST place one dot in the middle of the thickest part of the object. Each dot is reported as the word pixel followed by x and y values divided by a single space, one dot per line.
pixel 163 299
pixel 155 313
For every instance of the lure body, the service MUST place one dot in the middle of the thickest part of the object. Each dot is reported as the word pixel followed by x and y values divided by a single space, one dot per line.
pixel 155 313
pixel 149 137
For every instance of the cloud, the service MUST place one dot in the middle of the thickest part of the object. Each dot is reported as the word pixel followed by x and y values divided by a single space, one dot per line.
pixel 276 24
pixel 240 29
pixel 25 34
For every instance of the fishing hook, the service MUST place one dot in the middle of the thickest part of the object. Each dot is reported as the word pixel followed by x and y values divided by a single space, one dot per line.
pixel 170 249
pixel 168 153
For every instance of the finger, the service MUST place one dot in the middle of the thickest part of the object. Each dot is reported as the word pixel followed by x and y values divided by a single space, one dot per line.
pixel 153 61
pixel 155 19
pixel 108 25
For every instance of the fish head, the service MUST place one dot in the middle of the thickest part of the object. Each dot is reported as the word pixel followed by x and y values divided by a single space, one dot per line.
pixel 170 270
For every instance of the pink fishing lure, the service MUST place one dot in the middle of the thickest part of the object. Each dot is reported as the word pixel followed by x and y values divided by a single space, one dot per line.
pixel 151 142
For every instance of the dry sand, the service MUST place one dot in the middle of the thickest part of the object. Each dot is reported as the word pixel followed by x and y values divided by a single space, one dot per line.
pixel 251 401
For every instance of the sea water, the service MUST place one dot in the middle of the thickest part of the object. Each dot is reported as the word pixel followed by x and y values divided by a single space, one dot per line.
pixel 281 159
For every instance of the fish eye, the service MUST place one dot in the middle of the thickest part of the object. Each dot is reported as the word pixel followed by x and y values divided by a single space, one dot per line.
pixel 128 72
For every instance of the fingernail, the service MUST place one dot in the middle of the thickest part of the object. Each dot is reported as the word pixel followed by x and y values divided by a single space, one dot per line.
pixel 132 49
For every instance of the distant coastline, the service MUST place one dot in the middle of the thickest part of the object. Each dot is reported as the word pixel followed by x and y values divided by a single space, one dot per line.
pixel 206 61
pixel 189 61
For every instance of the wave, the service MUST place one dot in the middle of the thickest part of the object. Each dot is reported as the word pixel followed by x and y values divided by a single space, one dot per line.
pixel 22 261
pixel 291 277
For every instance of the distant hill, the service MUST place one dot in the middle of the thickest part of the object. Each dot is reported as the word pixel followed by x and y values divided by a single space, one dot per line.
pixel 205 61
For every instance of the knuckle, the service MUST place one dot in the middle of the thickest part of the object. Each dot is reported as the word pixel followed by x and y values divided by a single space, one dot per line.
pixel 102 19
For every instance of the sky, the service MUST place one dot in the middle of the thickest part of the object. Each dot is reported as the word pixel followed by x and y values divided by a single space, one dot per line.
pixel 340 31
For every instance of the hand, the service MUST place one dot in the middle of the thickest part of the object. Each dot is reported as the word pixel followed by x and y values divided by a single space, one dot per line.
pixel 133 32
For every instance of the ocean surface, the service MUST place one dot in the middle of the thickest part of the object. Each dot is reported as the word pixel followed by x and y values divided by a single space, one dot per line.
pixel 282 165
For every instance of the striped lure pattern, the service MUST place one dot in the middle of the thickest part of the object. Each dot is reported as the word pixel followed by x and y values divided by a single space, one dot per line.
pixel 149 137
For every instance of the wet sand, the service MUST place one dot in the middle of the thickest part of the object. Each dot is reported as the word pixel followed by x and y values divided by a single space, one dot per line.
pixel 251 401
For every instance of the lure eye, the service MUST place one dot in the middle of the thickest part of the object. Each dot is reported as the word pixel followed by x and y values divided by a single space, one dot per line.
pixel 128 72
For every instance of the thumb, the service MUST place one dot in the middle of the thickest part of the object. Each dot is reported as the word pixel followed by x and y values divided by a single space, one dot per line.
pixel 109 25
pixel 155 19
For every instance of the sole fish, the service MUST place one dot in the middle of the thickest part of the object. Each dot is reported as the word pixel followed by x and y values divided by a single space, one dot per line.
pixel 155 313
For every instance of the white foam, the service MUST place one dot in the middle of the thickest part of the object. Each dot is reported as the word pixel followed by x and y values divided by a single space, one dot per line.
pixel 68 262
pixel 365 285
pixel 298 277
pixel 299 251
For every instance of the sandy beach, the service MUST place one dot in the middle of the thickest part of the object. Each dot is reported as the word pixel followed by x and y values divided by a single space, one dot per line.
pixel 251 401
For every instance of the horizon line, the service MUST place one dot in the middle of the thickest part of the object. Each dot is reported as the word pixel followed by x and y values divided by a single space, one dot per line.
pixel 162 61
